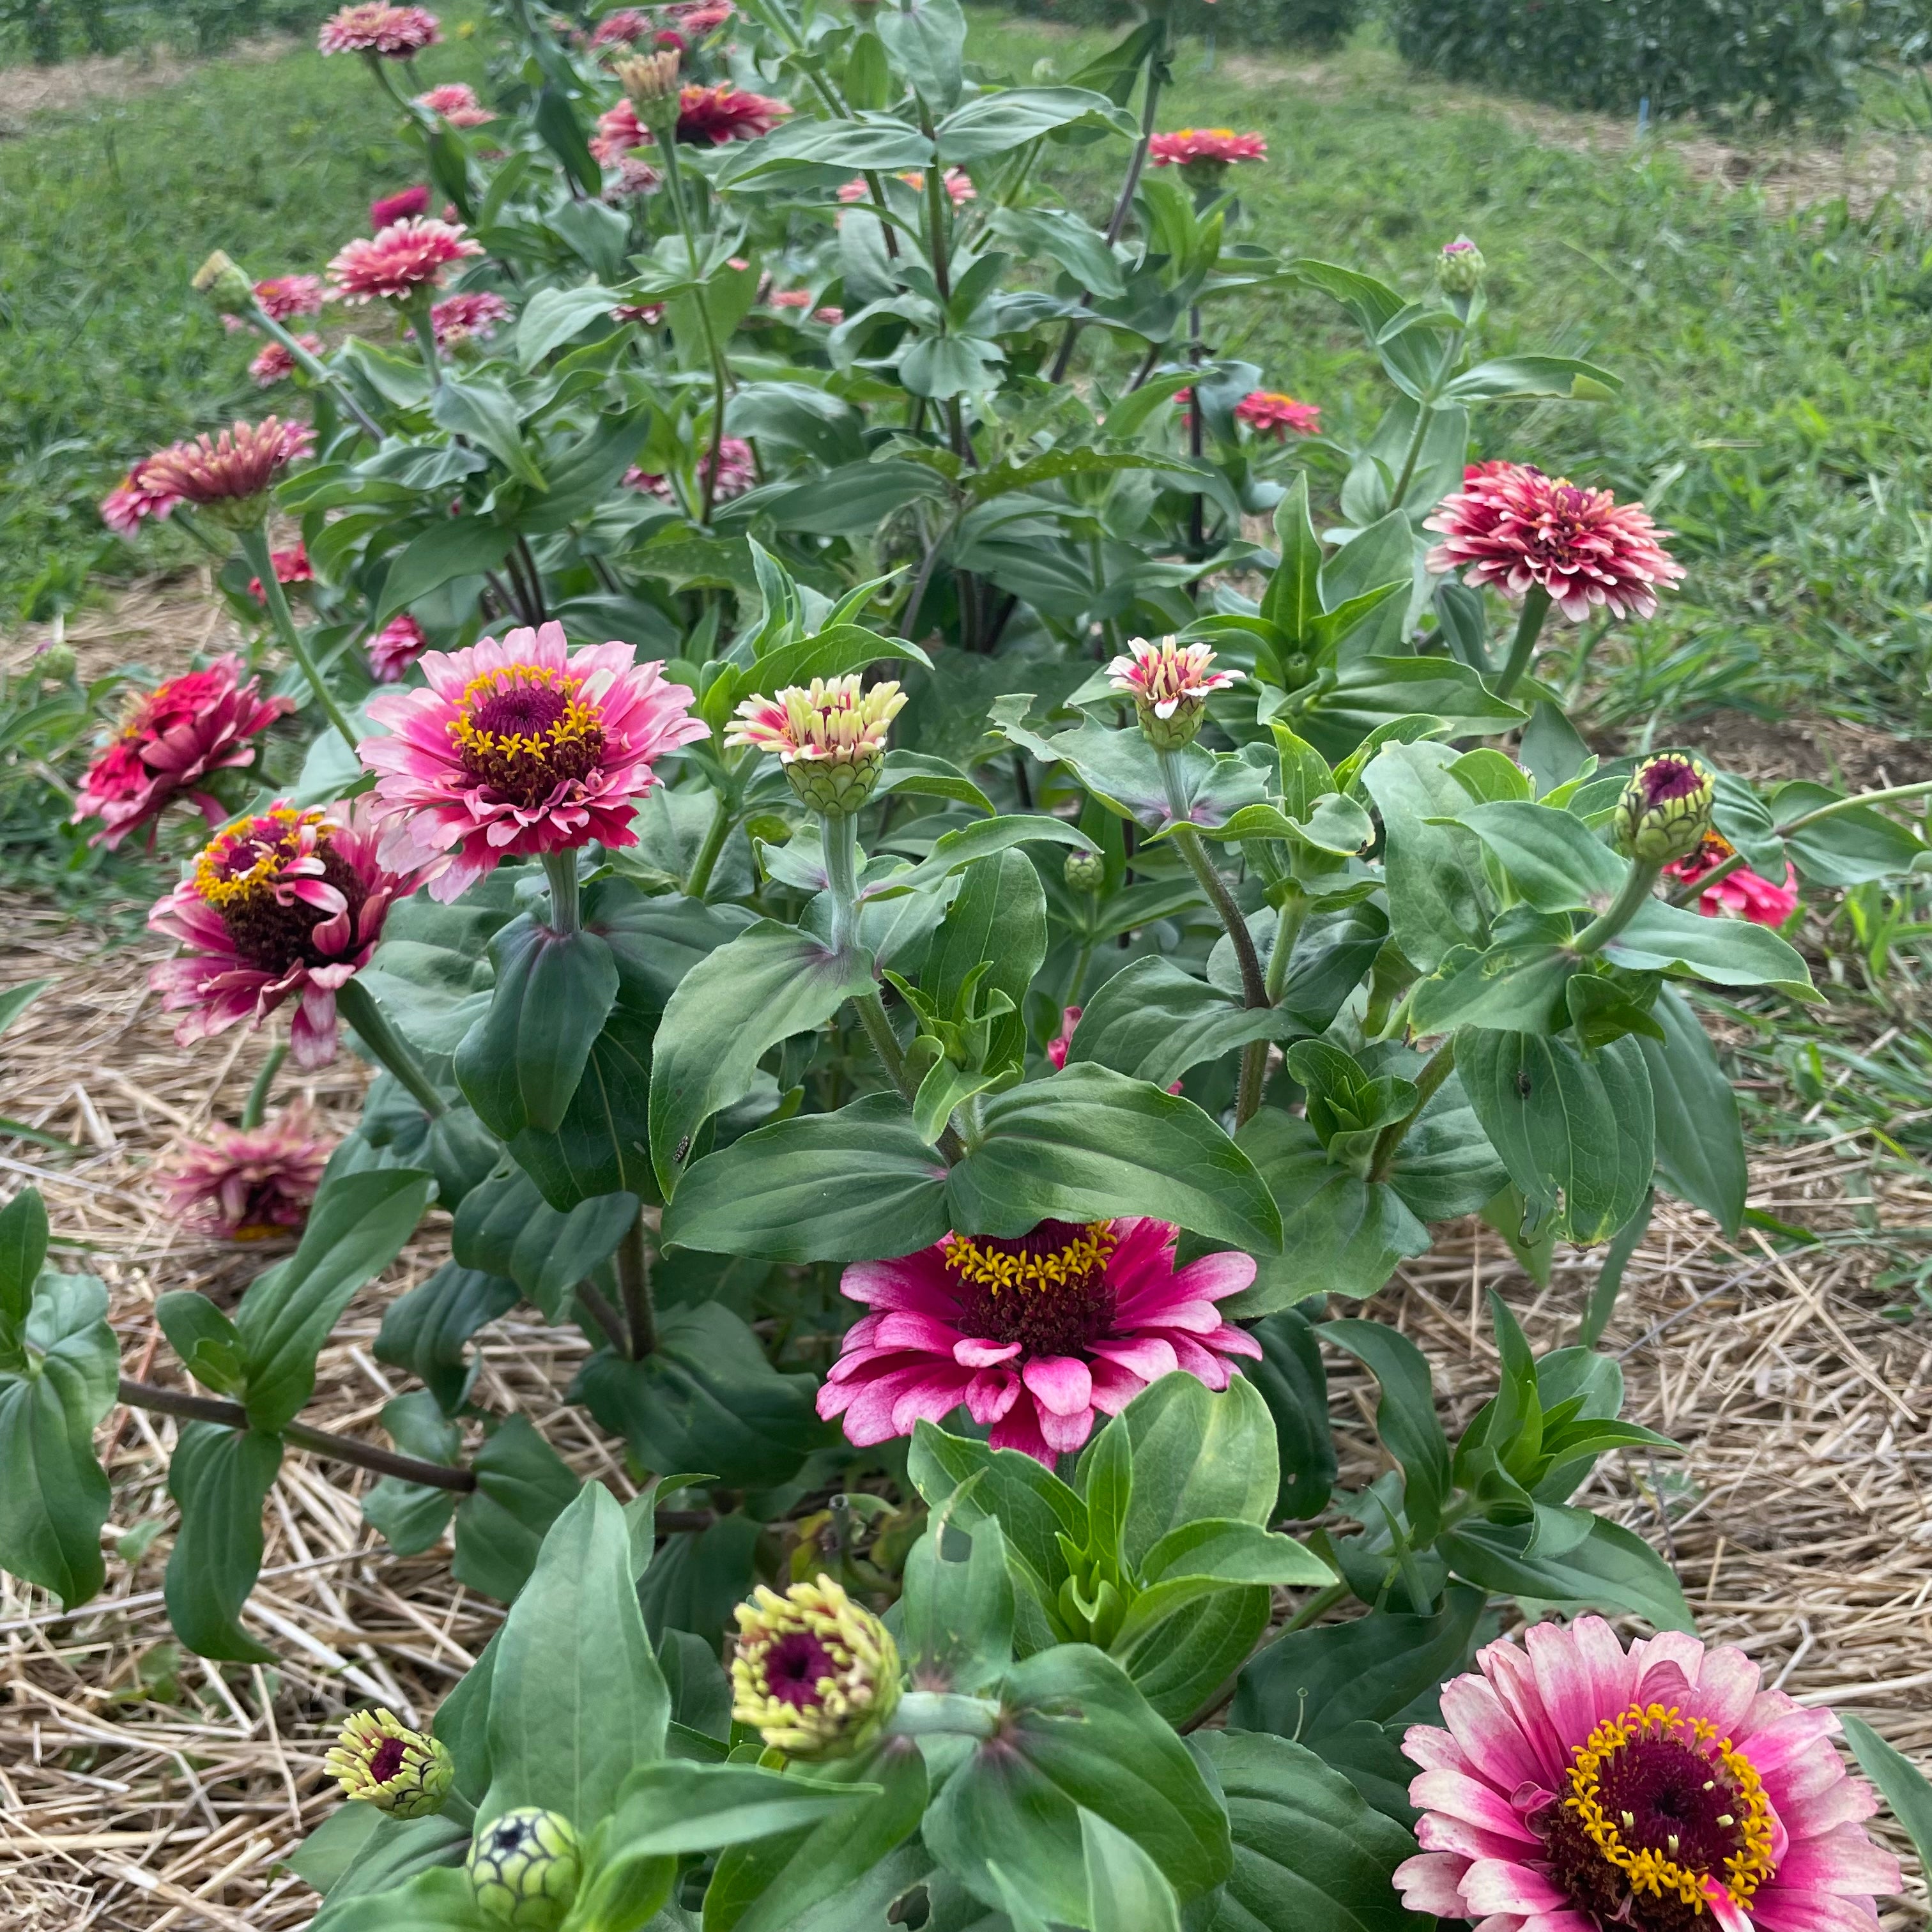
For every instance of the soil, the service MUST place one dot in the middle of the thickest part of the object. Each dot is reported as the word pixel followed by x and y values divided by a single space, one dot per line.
pixel 26 91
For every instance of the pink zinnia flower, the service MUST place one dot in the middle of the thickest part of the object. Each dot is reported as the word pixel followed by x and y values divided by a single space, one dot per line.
pixel 248 1183
pixel 1580 1788
pixel 1218 145
pixel 737 472
pixel 375 27
pixel 276 363
pixel 1039 1336
pixel 633 177
pixel 1270 413
pixel 291 566
pixel 648 315
pixel 1511 526
pixel 405 257
pixel 519 747
pixel 405 202
pixel 716 114
pixel 790 298
pixel 286 902
pixel 1743 894
pixel 619 130
pixel 282 297
pixel 395 648
pixel 467 318
pixel 124 506
pixel 456 101
pixel 957 182
pixel 172 740
pixel 699 17
pixel 831 317
pixel 234 467
pixel 1165 676
pixel 625 28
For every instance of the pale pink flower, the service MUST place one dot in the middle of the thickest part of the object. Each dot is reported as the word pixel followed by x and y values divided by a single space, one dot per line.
pixel 171 740
pixel 456 101
pixel 291 566
pixel 831 316
pixel 1217 145
pixel 1039 1336
pixel 281 298
pixel 1512 527
pixel 1165 676
pixel 124 507
pixel 790 298
pixel 275 363
pixel 286 902
pixel 248 1183
pixel 517 748
pixel 958 183
pixel 1580 1787
pixel 633 177
pixel 376 27
pixel 737 472
pixel 1270 413
pixel 400 206
pixel 467 318
pixel 405 257
pixel 1056 1047
pixel 1743 894
pixel 235 466
pixel 395 648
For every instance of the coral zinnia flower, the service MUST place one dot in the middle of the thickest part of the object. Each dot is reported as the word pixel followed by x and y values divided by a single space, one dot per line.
pixel 1217 145
pixel 717 115
pixel 170 741
pixel 1038 1336
pixel 275 363
pixel 248 1183
pixel 1269 412
pixel 1511 526
pixel 405 257
pixel 467 318
pixel 400 206
pixel 375 27
pixel 456 101
pixel 737 469
pixel 287 902
pixel 517 748
pixel 1743 894
pixel 395 648
pixel 124 506
pixel 292 566
pixel 229 471
pixel 1579 1788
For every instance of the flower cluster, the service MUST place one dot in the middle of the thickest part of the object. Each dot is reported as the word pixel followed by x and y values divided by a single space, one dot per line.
pixel 455 101
pixel 1512 527
pixel 1270 413
pixel 395 648
pixel 375 28
pixel 814 1674
pixel 396 262
pixel 736 470
pixel 248 1183
pixel 830 738
pixel 1741 893
pixel 1169 682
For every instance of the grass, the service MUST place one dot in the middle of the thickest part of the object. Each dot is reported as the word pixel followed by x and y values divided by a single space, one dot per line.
pixel 105 352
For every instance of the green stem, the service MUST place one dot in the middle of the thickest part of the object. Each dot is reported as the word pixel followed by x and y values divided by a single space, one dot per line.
pixel 921 1713
pixel 1288 924
pixel 1630 901
pixel 358 1006
pixel 565 908
pixel 1424 410
pixel 255 547
pixel 596 1304
pixel 1441 1064
pixel 1529 628
pixel 706 861
pixel 1920 790
pixel 258 1094
pixel 316 371
pixel 1682 894
pixel 839 838
pixel 417 309
pixel 634 1284
pixel 1187 842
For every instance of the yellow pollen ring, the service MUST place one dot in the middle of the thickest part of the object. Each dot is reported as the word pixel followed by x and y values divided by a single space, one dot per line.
pixel 219 888
pixel 993 1269
pixel 573 726
pixel 1651 1871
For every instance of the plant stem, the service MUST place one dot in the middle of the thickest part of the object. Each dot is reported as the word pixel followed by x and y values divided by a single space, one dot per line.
pixel 534 578
pixel 317 371
pixel 1319 1605
pixel 921 1713
pixel 634 1284
pixel 1288 923
pixel 565 911
pixel 1630 901
pixel 417 309
pixel 839 839
pixel 1441 1064
pixel 254 543
pixel 1888 796
pixel 596 1304
pixel 258 1094
pixel 358 1006
pixel 715 834
pixel 1529 628
pixel 1187 842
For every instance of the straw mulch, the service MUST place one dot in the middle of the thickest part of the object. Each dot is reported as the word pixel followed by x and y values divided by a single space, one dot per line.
pixel 142 1788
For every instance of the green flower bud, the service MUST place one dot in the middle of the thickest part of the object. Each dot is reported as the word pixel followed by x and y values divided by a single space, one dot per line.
pixel 524 1868
pixel 1665 810
pixel 1169 682
pixel 224 285
pixel 379 1761
pixel 816 1675
pixel 1085 872
pixel 1459 269
pixel 58 662
pixel 830 737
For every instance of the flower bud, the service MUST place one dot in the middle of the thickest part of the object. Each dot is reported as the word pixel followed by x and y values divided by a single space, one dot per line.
pixel 651 80
pixel 58 662
pixel 1169 682
pixel 830 737
pixel 524 1868
pixel 381 1761
pixel 1665 810
pixel 1459 269
pixel 224 285
pixel 1084 871
pixel 815 1674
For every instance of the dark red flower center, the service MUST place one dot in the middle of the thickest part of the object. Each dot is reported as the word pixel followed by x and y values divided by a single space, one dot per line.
pixel 793 1666
pixel 523 732
pixel 1048 1290
pixel 1667 778
pixel 240 875
pixel 387 1759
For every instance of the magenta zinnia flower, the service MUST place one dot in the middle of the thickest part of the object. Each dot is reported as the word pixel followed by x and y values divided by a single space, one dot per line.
pixel 288 902
pixel 737 470
pixel 517 748
pixel 248 1183
pixel 467 318
pixel 171 740
pixel 1581 1788
pixel 456 101
pixel 395 648
pixel 619 130
pixel 276 363
pixel 406 256
pixel 291 566
pixel 1511 526
pixel 125 506
pixel 698 17
pixel 228 470
pixel 1270 413
pixel 375 27
pixel 716 114
pixel 1218 145
pixel 1039 1336
pixel 389 209
pixel 1743 894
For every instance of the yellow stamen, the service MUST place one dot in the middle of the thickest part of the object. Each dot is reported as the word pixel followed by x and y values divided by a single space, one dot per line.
pixel 218 888
pixel 571 727
pixel 993 1269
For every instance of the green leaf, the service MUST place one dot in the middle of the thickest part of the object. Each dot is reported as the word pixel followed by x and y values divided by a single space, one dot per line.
pixel 956 1619
pixel 505 1227
pixel 1371 691
pixel 1554 860
pixel 54 1497
pixel 1533 376
pixel 1310 1855
pixel 431 975
pixel 411 1517
pixel 1609 1569
pixel 729 1010
pixel 1900 1783
pixel 1520 984
pixel 519 1065
pixel 1125 1890
pixel 220 1478
pixel 1292 601
pixel 458 547
pixel 994 122
pixel 1577 1135
pixel 997 918
pixel 864 141
pixel 441 1899
pixel 552 316
pixel 1438 896
pixel 578 1699
pixel 981 840
pixel 1079 248
pixel 1152 1022
pixel 1849 848
pixel 1198 1453
pixel 602 1145
pixel 483 411
pixel 522 1486
pixel 204 1339
pixel 1405 1417
pixel 16 999
pixel 356 1229
pixel 1292 1381
pixel 424 1331
pixel 1198 1558
pixel 1728 951
pixel 1031 1507
pixel 1075 1734
pixel 23 1252
pixel 1700 1148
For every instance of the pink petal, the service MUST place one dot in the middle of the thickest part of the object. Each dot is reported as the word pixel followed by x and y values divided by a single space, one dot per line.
pixel 908 1328
pixel 1490 1738
pixel 1458 1796
pixel 1063 1385
pixel 991 1394
pixel 1780 1909
pixel 971 1351
pixel 1499 1884
pixel 1430 1883
pixel 1148 1356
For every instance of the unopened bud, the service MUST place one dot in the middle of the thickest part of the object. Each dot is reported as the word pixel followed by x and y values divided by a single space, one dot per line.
pixel 651 80
pixel 816 1675
pixel 224 285
pixel 1665 810
pixel 1085 872
pixel 58 662
pixel 380 1761
pixel 1169 682
pixel 1459 269
pixel 524 1868
pixel 830 737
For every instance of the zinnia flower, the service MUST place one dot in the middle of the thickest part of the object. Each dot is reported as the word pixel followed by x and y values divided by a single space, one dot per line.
pixel 124 506
pixel 790 298
pixel 1217 145
pixel 1269 412
pixel 291 566
pixel 378 1760
pixel 170 741
pixel 276 363
pixel 467 318
pixel 282 297
pixel 405 257
pixel 1581 1788
pixel 1038 1336
pixel 815 1674
pixel 1459 268
pixel 374 27
pixel 1742 894
pixel 1169 682
pixel 400 206
pixel 957 182
pixel 699 17
pixel 287 901
pixel 395 648
pixel 456 101
pixel 832 317
pixel 519 747
pixel 618 130
pixel 248 1183
pixel 647 315
pixel 633 177
pixel 227 473
pixel 625 28
pixel 830 738
pixel 716 114
pixel 737 469
pixel 1511 526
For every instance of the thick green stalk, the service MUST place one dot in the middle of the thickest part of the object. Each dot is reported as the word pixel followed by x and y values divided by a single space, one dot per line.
pixel 254 543
pixel 1440 1065
pixel 565 907
pixel 634 1284
pixel 925 1714
pixel 1187 843
pixel 1254 1056
pixel 715 834
pixel 839 837
pixel 358 1006
pixel 1529 628
pixel 258 1094
pixel 417 309
pixel 315 371
pixel 1630 901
